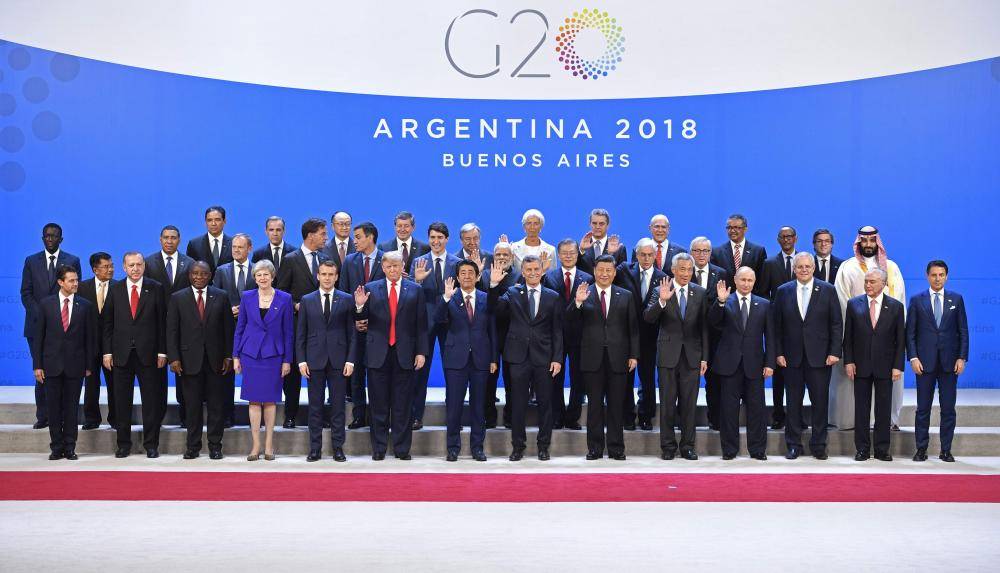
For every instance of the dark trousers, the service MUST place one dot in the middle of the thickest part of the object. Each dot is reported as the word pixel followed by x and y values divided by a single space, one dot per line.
pixel 713 397
pixel 678 395
pixel 291 386
pixel 206 387
pixel 947 385
pixel 778 395
pixel 522 378
pixel 817 381
pixel 457 382
pixel 436 333
pixel 92 395
pixel 490 394
pixel 358 382
pixel 319 381
pixel 154 401
pixel 63 395
pixel 601 384
pixel 178 393
pixel 862 413
pixel 41 404
pixel 646 372
pixel 733 388
pixel 564 412
pixel 390 388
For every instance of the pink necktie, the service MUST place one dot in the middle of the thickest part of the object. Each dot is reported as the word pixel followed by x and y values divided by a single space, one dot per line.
pixel 65 314
pixel 871 312
pixel 468 306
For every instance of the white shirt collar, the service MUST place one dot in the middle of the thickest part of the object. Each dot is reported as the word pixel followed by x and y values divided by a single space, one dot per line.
pixel 173 258
pixel 563 270
pixel 63 297
pixel 48 254
pixel 236 264
pixel 742 245
pixel 129 284
pixel 272 246
pixel 442 255
pixel 218 237
pixel 408 242
pixel 878 300
pixel 324 292
pixel 204 292
pixel 388 284
pixel 799 285
pixel 933 292
pixel 98 282
pixel 306 251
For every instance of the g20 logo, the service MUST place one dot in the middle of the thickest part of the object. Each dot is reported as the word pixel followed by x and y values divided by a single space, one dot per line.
pixel 601 32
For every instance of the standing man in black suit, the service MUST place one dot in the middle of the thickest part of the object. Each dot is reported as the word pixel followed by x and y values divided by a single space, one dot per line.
pixel 471 236
pixel 874 346
pixel 38 280
pixel 609 350
pixel 410 248
pixel 681 311
pixel 597 242
pixel 827 264
pixel 134 345
pixel 503 257
pixel 640 278
pixel 778 271
pixel 95 291
pixel 233 278
pixel 707 275
pixel 214 246
pixel 298 278
pixel 276 248
pixel 664 249
pixel 342 243
pixel 533 348
pixel 739 252
pixel 200 329
pixel 430 271
pixel 808 342
pixel 564 279
pixel 745 358
pixel 325 346
pixel 396 316
pixel 65 343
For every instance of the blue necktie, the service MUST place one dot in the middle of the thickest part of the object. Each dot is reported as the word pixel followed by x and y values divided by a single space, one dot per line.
pixel 938 311
pixel 315 265
pixel 241 281
pixel 170 271
pixel 744 311
pixel 683 302
pixel 531 303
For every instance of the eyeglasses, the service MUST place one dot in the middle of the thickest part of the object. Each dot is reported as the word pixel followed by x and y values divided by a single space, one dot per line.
pixel 735 227
pixel 701 250
pixel 823 242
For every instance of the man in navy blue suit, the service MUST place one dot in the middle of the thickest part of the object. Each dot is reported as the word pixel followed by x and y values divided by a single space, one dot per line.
pixel 38 280
pixel 66 343
pixel 874 346
pixel 471 237
pixel 396 348
pixel 744 358
pixel 564 279
pixel 214 247
pixel 325 347
pixel 739 252
pixel 430 271
pixel 469 356
pixel 341 245
pixel 663 248
pixel 597 242
pixel 360 268
pixel 276 247
pixel 808 342
pixel 404 224
pixel 937 342
pixel 827 264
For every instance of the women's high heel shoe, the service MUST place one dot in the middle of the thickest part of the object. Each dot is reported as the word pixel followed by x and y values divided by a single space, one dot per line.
pixel 253 457
pixel 269 457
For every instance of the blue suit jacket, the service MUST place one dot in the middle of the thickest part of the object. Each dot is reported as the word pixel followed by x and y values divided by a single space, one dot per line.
pixel 478 338
pixel 555 280
pixel 352 274
pixel 226 277
pixel 821 334
pixel 432 285
pixel 70 352
pixel 411 323
pixel 268 337
pixel 319 342
pixel 536 340
pixel 874 352
pixel 937 347
pixel 35 284
pixel 753 345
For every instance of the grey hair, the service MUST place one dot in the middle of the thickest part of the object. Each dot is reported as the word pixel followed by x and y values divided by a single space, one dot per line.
pixel 643 243
pixel 396 256
pixel 659 216
pixel 274 218
pixel 803 254
pixel 533 213
pixel 881 273
pixel 601 213
pixel 700 239
pixel 745 270
pixel 681 257
pixel 468 228
pixel 264 265
pixel 503 245
pixel 132 254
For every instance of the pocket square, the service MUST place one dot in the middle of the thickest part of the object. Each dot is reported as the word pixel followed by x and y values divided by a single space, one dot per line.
pixel 951 308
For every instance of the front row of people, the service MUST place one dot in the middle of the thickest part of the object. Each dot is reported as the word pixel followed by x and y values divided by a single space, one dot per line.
pixel 801 331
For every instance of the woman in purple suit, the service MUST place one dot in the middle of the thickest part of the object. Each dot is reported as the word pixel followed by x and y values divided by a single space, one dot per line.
pixel 262 352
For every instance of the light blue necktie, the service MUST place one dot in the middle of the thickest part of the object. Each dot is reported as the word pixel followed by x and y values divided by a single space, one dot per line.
pixel 241 281
pixel 804 302
pixel 683 302
pixel 644 287
pixel 938 311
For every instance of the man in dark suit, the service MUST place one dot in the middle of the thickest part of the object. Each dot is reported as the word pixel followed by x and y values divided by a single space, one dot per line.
pixel 411 248
pixel 361 267
pixel 134 345
pixel 745 357
pixel 874 345
pixel 298 278
pixel 827 265
pixel 937 342
pixel 778 271
pixel 808 342
pixel 234 278
pixel 200 349
pixel 640 278
pixel 503 255
pixel 214 246
pixel 65 341
pixel 342 243
pixel 597 242
pixel 707 276
pixel 533 349
pixel 738 252
pixel 680 309
pixel 663 249
pixel 38 280
pixel 470 235
pixel 469 357
pixel 430 271
pixel 276 248
pixel 609 350
pixel 324 342
pixel 95 291
pixel 396 347
pixel 564 279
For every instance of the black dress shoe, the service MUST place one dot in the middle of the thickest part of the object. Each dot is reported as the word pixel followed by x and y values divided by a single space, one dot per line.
pixel 894 428
pixel 338 455
pixel 946 456
pixel 215 453
pixel 314 456
pixel 40 425
pixel 667 455
pixel 71 455
pixel 861 457
pixel 543 454
pixel 792 454
pixel 355 424
pixel 378 456
pixel 728 457
pixel 557 426
pixel 182 425
pixel 289 423
pixel 418 425
pixel 191 454
pixel 490 425
pixel 573 426
pixel 479 455
pixel 759 456
pixel 228 424
pixel 921 455
pixel 646 426
pixel 777 425
pixel 516 455
pixel 121 453
pixel 56 456
pixel 451 457
pixel 90 426
pixel 619 456
pixel 327 425
pixel 152 453
pixel 592 455
pixel 820 455
pixel 404 457
pixel 883 456
pixel 689 455
pixel 506 425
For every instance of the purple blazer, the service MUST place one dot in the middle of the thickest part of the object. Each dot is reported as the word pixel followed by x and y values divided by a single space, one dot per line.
pixel 274 335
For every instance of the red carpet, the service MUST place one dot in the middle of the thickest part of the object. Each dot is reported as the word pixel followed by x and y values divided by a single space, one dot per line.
pixel 256 486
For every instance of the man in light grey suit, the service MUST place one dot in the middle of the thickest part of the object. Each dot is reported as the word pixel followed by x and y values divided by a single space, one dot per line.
pixel 234 278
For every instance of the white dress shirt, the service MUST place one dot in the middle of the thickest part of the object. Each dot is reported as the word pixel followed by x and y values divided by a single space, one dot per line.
pixel 820 263
pixel 703 283
pixel 803 301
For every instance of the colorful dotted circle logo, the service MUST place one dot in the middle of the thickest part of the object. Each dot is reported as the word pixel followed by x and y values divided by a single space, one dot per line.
pixel 614 44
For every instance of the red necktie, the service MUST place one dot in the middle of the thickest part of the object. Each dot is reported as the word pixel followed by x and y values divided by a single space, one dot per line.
pixel 393 303
pixel 604 304
pixel 368 270
pixel 737 257
pixel 134 300
pixel 468 306
pixel 569 287
pixel 65 314
pixel 201 307
pixel 659 256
